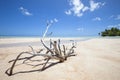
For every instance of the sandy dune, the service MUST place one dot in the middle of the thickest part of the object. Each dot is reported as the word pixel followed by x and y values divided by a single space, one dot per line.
pixel 97 59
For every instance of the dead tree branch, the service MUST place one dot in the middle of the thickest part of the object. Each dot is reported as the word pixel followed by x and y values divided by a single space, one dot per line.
pixel 54 52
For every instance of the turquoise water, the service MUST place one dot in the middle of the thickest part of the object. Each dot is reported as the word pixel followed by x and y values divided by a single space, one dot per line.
pixel 85 37
pixel 38 43
pixel 46 37
pixel 19 36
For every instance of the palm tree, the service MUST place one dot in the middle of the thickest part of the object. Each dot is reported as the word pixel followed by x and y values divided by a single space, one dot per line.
pixel 111 32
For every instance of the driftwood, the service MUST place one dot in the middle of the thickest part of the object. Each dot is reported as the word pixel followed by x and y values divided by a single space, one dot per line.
pixel 54 52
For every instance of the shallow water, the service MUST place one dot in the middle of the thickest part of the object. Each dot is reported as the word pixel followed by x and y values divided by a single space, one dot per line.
pixel 38 43
pixel 64 40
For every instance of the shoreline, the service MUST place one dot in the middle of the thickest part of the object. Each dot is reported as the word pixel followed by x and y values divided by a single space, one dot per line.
pixel 35 41
pixel 15 42
pixel 97 59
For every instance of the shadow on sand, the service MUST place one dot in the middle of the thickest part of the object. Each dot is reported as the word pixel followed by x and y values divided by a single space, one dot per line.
pixel 37 70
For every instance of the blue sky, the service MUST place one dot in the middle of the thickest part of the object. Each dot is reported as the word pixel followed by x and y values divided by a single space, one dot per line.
pixel 69 17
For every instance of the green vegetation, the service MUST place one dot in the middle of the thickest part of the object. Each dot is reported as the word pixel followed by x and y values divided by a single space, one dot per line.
pixel 111 32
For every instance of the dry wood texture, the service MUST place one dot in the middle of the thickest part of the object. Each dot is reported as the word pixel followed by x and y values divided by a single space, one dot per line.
pixel 53 52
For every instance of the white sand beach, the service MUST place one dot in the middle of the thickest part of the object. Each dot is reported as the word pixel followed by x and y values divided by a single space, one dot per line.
pixel 97 59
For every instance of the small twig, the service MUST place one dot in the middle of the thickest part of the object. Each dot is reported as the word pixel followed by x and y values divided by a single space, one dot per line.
pixel 46 47
pixel 50 43
pixel 64 51
pixel 32 49
pixel 40 51
pixel 11 69
pixel 21 58
pixel 45 64
pixel 59 47
pixel 55 47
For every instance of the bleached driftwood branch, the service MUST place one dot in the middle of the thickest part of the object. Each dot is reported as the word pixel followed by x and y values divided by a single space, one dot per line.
pixel 55 52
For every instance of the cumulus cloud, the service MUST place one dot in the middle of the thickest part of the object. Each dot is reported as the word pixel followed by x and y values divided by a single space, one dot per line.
pixel 78 8
pixel 85 9
pixel 25 11
pixel 94 6
pixel 97 19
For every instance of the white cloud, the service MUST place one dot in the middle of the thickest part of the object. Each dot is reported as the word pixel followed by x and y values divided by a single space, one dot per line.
pixel 25 11
pixel 78 8
pixel 96 5
pixel 85 9
pixel 80 29
pixel 97 19
pixel 68 12
pixel 56 20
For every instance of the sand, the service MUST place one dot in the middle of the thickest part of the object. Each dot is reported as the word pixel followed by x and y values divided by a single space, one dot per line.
pixel 97 59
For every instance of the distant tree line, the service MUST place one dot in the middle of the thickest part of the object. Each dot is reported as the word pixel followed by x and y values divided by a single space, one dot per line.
pixel 110 32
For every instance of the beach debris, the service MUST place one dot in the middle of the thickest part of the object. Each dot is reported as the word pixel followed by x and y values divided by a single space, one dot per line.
pixel 55 51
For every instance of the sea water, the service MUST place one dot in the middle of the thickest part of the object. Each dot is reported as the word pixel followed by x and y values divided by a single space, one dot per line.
pixel 64 40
